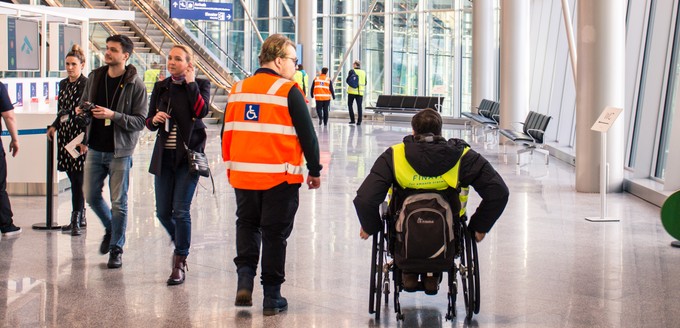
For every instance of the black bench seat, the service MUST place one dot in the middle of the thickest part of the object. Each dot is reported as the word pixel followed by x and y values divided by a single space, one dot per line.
pixel 405 104
pixel 531 135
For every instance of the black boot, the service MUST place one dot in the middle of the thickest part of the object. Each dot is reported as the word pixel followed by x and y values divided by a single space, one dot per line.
pixel 83 221
pixel 244 291
pixel 69 227
pixel 273 302
pixel 179 269
pixel 75 224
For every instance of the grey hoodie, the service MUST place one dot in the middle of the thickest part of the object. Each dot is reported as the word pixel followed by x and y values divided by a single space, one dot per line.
pixel 130 111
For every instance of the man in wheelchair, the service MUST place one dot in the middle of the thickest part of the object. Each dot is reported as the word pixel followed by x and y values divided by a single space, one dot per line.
pixel 426 162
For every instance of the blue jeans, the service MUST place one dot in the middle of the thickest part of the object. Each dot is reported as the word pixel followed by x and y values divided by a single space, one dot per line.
pixel 99 165
pixel 175 189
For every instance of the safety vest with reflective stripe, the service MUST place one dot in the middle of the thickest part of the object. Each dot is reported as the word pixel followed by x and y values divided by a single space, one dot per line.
pixel 408 178
pixel 259 143
pixel 322 91
pixel 362 83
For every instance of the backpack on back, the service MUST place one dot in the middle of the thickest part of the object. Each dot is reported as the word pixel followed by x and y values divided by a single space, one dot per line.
pixel 352 79
pixel 424 233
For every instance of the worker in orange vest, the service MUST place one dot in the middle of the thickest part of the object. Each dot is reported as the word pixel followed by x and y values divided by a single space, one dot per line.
pixel 322 91
pixel 267 130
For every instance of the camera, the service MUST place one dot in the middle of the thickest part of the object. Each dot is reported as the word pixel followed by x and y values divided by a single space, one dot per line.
pixel 85 117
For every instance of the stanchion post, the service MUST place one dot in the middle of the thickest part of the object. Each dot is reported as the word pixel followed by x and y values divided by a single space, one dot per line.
pixel 49 190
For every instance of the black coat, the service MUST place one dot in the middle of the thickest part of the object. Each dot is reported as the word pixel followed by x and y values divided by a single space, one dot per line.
pixel 183 102
pixel 434 159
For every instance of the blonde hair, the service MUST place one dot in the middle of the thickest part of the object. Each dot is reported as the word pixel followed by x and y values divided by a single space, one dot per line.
pixel 187 50
pixel 274 47
pixel 76 52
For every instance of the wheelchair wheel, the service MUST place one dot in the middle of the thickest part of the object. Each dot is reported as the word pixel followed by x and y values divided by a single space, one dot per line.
pixel 467 274
pixel 475 272
pixel 375 288
pixel 379 285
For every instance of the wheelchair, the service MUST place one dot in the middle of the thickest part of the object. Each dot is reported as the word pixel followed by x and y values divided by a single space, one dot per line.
pixel 465 265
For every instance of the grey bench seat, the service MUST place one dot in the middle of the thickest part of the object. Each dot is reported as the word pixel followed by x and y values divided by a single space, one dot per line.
pixel 531 135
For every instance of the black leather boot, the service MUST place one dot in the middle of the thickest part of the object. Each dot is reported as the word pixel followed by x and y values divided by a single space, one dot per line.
pixel 244 291
pixel 273 302
pixel 83 221
pixel 75 224
pixel 179 268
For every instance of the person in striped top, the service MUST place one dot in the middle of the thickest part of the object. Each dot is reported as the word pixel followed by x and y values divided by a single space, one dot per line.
pixel 177 105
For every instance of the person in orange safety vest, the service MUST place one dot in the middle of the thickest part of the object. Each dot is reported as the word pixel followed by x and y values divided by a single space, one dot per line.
pixel 322 91
pixel 267 131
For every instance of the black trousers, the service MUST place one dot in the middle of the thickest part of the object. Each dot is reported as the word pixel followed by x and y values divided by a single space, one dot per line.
pixel 265 217
pixel 350 100
pixel 322 107
pixel 5 207
pixel 77 197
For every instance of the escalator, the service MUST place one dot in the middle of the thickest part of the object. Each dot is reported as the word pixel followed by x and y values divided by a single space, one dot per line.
pixel 153 32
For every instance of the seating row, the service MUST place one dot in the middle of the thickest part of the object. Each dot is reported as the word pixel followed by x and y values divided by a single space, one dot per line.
pixel 488 113
pixel 487 116
pixel 405 104
pixel 531 135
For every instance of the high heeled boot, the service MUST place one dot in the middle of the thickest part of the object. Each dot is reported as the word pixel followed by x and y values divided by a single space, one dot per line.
pixel 179 268
pixel 74 226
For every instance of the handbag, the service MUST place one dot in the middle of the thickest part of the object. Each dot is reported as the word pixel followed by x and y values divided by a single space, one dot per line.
pixel 198 162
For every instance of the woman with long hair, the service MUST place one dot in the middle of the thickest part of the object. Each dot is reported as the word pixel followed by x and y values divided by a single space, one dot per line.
pixel 70 91
pixel 177 105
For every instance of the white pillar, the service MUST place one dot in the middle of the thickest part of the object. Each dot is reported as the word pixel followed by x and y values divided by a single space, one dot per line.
pixel 515 83
pixel 306 28
pixel 601 32
pixel 483 77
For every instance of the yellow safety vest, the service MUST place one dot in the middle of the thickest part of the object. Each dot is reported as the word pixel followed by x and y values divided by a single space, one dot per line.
pixel 362 83
pixel 407 177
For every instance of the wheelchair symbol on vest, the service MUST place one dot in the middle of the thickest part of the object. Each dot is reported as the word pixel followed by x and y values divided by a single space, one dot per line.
pixel 252 112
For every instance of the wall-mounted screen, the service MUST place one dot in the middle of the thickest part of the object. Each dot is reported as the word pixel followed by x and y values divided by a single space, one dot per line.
pixel 68 36
pixel 23 47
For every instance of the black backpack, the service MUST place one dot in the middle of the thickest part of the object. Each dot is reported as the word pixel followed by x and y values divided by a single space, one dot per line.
pixel 352 79
pixel 423 230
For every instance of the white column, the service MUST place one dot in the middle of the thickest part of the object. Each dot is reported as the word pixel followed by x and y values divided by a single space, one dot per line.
pixel 515 83
pixel 600 74
pixel 482 52
pixel 306 28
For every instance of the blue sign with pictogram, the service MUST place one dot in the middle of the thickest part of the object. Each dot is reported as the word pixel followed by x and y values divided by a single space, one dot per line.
pixel 201 10
pixel 252 112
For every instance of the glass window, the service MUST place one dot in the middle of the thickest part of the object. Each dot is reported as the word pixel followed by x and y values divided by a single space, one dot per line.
pixel 440 58
pixel 669 108
pixel 373 57
pixel 405 54
pixel 341 37
pixel 405 5
pixel 641 89
pixel 342 7
pixel 466 61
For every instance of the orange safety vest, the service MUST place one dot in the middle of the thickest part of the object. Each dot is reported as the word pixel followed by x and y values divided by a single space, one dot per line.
pixel 322 91
pixel 259 143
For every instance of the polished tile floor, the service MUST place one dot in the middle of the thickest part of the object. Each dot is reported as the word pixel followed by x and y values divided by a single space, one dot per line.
pixel 542 265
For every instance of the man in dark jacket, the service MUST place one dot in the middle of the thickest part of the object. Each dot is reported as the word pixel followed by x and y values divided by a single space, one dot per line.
pixel 431 156
pixel 430 159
